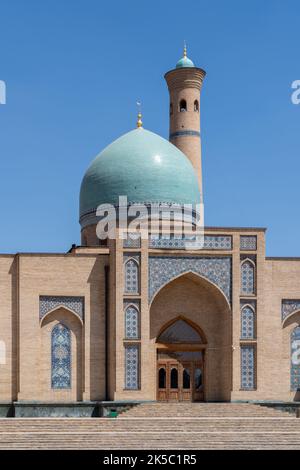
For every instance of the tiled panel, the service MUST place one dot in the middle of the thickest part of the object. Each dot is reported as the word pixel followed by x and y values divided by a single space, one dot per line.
pixel 60 357
pixel 164 268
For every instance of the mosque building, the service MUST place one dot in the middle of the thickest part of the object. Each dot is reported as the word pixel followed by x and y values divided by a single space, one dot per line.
pixel 149 318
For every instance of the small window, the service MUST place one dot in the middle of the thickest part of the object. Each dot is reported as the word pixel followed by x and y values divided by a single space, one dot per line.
pixel 174 378
pixel 171 109
pixel 186 379
pixel 198 379
pixel 196 106
pixel 162 378
pixel 182 106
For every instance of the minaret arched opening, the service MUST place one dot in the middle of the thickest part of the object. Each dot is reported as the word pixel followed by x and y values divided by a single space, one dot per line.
pixel 182 106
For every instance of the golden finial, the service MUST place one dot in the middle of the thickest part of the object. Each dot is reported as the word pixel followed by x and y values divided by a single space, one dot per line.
pixel 139 123
pixel 184 48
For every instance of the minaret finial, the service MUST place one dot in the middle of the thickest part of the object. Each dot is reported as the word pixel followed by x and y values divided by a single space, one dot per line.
pixel 139 123
pixel 184 48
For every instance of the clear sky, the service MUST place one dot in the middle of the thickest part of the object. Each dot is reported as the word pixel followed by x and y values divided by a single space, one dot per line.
pixel 74 70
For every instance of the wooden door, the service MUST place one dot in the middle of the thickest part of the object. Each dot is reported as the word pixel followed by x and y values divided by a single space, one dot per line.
pixel 180 380
pixel 186 389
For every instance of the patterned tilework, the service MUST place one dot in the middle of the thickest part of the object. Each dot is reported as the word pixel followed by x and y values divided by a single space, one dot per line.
pixel 295 359
pixel 132 241
pixel 164 268
pixel 247 278
pixel 48 303
pixel 248 242
pixel 247 368
pixel 60 357
pixel 218 242
pixel 132 367
pixel 132 330
pixel 247 323
pixel 131 274
pixel 289 306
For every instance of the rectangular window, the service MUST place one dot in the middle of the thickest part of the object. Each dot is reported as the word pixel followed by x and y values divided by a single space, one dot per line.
pixel 247 367
pixel 132 367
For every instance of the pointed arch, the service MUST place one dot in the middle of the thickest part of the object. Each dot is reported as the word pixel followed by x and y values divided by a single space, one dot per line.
pixel 131 276
pixel 132 321
pixel 289 317
pixel 247 322
pixel 247 277
pixel 194 275
pixel 177 325
pixel 44 319
pixel 182 105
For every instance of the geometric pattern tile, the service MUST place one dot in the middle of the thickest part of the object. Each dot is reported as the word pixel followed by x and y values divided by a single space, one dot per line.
pixel 248 242
pixel 247 278
pixel 211 242
pixel 133 240
pixel 247 368
pixel 295 359
pixel 131 276
pixel 132 354
pixel 247 323
pixel 50 302
pixel 60 357
pixel 132 330
pixel 164 268
pixel 289 306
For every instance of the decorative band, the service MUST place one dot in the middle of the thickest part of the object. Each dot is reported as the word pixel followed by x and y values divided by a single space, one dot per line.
pixel 182 133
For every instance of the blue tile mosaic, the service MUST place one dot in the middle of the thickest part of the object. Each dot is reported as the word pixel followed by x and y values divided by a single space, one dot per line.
pixel 132 330
pixel 163 269
pixel 247 323
pixel 248 242
pixel 60 357
pixel 247 277
pixel 50 302
pixel 295 359
pixel 131 276
pixel 247 368
pixel 211 242
pixel 132 355
pixel 288 307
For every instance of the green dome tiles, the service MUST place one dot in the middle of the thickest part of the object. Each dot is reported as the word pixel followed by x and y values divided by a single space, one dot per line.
pixel 142 166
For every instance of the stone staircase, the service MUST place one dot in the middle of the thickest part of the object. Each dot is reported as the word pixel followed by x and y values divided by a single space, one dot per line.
pixel 160 426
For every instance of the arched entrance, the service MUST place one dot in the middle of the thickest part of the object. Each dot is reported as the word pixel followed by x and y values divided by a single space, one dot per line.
pixel 200 343
pixel 180 362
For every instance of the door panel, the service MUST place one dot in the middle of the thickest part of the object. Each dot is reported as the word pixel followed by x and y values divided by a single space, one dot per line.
pixel 179 380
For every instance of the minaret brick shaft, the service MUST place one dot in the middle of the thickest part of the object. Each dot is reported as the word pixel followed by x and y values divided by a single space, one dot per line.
pixel 184 84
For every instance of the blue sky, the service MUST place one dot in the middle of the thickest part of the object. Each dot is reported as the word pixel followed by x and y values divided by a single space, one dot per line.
pixel 74 70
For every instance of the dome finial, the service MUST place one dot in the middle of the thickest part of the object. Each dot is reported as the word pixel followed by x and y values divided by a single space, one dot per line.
pixel 139 123
pixel 184 48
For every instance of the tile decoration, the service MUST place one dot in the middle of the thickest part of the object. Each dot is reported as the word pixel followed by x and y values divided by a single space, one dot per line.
pixel 295 359
pixel 289 306
pixel 247 368
pixel 132 320
pixel 211 242
pixel 247 278
pixel 248 242
pixel 132 241
pixel 247 323
pixel 163 269
pixel 132 355
pixel 50 302
pixel 60 357
pixel 131 274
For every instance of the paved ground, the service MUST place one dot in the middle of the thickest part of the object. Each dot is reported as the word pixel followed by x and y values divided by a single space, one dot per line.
pixel 160 426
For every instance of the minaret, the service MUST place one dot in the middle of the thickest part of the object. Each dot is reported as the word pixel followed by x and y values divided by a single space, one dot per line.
pixel 184 84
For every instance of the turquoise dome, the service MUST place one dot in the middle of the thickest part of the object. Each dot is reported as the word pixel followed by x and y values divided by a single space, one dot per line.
pixel 142 166
pixel 184 62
